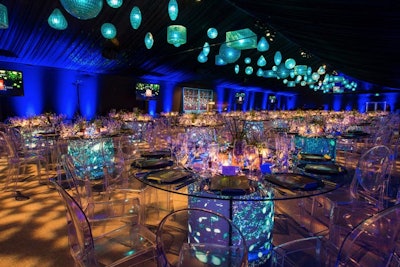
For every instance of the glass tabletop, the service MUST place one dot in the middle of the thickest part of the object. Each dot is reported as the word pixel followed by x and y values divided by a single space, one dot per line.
pixel 276 186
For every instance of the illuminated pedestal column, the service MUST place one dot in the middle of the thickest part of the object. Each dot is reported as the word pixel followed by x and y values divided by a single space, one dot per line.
pixel 255 218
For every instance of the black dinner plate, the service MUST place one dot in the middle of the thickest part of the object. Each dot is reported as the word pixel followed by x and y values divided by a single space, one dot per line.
pixel 145 163
pixel 230 185
pixel 156 154
pixel 294 181
pixel 323 169
pixel 168 176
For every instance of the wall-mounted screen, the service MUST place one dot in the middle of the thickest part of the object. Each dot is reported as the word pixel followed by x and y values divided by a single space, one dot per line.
pixel 147 91
pixel 11 83
pixel 195 100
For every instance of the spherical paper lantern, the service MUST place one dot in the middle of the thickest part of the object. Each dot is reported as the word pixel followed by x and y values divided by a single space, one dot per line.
pixel 229 54
pixel 83 9
pixel 212 33
pixel 108 31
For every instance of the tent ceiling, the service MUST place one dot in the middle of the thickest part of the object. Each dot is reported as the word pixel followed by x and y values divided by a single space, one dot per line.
pixel 357 38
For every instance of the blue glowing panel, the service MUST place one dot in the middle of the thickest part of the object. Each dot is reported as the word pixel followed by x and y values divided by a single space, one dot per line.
pixel 255 219
pixel 90 155
pixel 316 145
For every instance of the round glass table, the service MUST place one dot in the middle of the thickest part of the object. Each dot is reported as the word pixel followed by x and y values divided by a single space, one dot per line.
pixel 249 203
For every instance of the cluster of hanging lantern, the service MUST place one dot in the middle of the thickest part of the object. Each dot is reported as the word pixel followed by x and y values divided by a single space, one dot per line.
pixel 229 52
pixel 89 9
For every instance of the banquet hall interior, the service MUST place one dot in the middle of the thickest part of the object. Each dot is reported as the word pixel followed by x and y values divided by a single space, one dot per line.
pixel 281 117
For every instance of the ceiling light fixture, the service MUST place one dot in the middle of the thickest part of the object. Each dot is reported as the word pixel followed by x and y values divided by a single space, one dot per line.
pixel 57 20
pixel 83 9
pixel 3 17
pixel 176 35
pixel 115 3
pixel 135 17
pixel 173 9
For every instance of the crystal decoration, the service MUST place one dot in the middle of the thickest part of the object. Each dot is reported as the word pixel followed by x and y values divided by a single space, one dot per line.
pixel 176 35
pixel 108 31
pixel 83 9
pixel 135 17
pixel 173 9
pixel 57 20
pixel 212 33
pixel 262 45
pixel 149 40
pixel 115 3
pixel 3 17
pixel 241 39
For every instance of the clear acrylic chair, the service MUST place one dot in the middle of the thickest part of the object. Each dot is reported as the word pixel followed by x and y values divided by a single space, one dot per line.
pixel 199 237
pixel 366 195
pixel 373 243
pixel 117 204
pixel 18 161
pixel 131 245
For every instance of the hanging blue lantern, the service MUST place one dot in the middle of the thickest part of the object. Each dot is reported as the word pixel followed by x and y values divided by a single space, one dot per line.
pixel 115 3
pixel 261 62
pixel 3 17
pixel 206 49
pixel 57 20
pixel 212 33
pixel 291 84
pixel 300 69
pixel 282 71
pixel 83 9
pixel 229 54
pixel 260 72
pixel 176 35
pixel 269 74
pixel 290 63
pixel 135 17
pixel 108 31
pixel 149 40
pixel 277 58
pixel 241 39
pixel 173 9
pixel 249 70
pixel 219 61
pixel 247 60
pixel 237 68
pixel 202 58
pixel 262 45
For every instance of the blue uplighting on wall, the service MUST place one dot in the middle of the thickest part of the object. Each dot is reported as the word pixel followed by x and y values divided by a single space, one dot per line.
pixel 152 107
pixel 362 99
pixel 265 101
pixel 220 98
pixel 88 97
pixel 66 96
pixel 31 103
pixel 167 93
pixel 291 102
pixel 337 102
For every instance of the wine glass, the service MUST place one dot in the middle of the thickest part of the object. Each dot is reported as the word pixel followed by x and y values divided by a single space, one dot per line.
pixel 238 152
pixel 250 155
